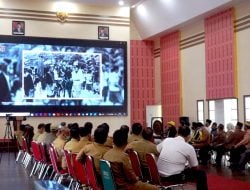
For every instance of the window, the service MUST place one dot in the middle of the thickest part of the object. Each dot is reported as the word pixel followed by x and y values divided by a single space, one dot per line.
pixel 230 111
pixel 224 111
pixel 247 107
pixel 200 111
pixel 211 112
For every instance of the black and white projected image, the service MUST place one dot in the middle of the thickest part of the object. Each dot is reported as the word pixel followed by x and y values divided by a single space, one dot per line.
pixel 60 75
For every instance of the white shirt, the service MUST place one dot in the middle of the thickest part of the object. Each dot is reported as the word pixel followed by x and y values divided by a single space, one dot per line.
pixel 175 153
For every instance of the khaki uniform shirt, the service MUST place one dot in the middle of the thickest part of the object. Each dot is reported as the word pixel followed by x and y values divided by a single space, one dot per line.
pixel 59 143
pixel 134 137
pixel 36 135
pixel 124 174
pixel 142 147
pixel 109 142
pixel 95 150
pixel 72 146
pixel 83 141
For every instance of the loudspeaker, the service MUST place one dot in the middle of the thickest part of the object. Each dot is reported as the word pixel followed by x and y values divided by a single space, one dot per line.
pixel 184 120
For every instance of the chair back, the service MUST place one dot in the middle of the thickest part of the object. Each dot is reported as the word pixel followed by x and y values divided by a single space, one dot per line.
pixel 43 153
pixel 136 165
pixel 53 159
pixel 36 151
pixel 69 163
pixel 25 147
pixel 91 173
pixel 80 171
pixel 153 170
pixel 107 175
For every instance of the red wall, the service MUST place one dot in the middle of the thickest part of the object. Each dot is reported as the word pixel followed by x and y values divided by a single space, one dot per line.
pixel 142 79
pixel 220 55
pixel 170 77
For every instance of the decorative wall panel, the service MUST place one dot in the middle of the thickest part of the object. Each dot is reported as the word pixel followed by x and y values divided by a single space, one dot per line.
pixel 171 77
pixel 220 56
pixel 142 79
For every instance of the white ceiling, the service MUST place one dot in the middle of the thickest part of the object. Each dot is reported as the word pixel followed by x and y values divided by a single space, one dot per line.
pixel 156 17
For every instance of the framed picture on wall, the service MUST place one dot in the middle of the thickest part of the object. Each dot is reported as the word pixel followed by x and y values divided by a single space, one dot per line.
pixel 103 32
pixel 18 27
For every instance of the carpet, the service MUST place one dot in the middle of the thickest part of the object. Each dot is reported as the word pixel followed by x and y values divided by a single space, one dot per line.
pixel 216 182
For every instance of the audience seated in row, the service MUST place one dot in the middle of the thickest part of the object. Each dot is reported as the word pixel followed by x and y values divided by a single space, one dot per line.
pixel 124 175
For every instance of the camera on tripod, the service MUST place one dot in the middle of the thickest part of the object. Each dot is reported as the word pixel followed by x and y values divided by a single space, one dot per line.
pixel 9 118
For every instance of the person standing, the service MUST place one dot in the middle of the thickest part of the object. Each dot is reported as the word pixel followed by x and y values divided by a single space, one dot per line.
pixel 175 153
pixel 5 95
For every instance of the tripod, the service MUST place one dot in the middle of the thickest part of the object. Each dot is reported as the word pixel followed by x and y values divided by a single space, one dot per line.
pixel 8 140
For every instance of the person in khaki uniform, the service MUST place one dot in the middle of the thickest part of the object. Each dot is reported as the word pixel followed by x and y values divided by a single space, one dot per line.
pixel 135 133
pixel 40 130
pixel 144 146
pixel 72 144
pixel 59 143
pixel 85 137
pixel 124 174
pixel 109 141
pixel 97 149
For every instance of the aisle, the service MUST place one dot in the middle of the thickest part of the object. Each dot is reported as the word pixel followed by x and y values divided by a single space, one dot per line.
pixel 13 175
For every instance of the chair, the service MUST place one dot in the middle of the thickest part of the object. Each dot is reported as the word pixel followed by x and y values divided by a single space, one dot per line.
pixel 107 175
pixel 46 163
pixel 91 173
pixel 37 157
pixel 69 163
pixel 25 153
pixel 80 172
pixel 136 165
pixel 154 174
pixel 58 173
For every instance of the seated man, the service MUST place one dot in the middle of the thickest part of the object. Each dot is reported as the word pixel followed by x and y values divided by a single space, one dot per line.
pixel 144 146
pixel 175 153
pixel 96 149
pixel 85 136
pixel 203 144
pixel 240 154
pixel 135 132
pixel 59 143
pixel 217 142
pixel 40 130
pixel 72 144
pixel 124 174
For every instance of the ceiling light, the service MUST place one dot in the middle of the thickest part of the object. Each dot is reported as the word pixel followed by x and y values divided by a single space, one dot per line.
pixel 121 2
